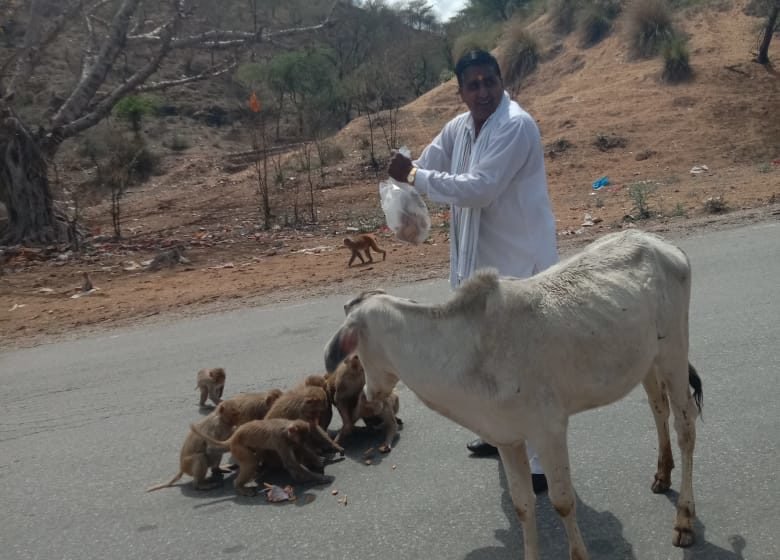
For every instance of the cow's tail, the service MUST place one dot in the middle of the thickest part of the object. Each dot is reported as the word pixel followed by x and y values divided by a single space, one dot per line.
pixel 695 382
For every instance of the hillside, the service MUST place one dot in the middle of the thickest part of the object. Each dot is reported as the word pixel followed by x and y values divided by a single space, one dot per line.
pixel 726 119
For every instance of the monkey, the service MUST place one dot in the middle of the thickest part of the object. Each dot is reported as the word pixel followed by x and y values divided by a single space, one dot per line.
pixel 170 258
pixel 319 381
pixel 307 403
pixel 254 406
pixel 197 456
pixel 251 441
pixel 211 383
pixel 363 242
pixel 346 384
pixel 378 413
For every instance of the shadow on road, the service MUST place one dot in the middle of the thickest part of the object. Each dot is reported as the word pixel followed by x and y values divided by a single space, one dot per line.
pixel 601 530
pixel 703 550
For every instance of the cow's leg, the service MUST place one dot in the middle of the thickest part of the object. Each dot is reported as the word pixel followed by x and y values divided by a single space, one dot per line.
pixel 685 412
pixel 659 404
pixel 554 457
pixel 518 474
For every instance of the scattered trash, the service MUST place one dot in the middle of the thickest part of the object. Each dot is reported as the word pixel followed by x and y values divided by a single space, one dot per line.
pixel 275 493
pixel 776 162
pixel 130 266
pixel 45 290
pixel 368 462
pixel 334 492
pixel 600 183
pixel 393 467
pixel 220 266
pixel 590 220
pixel 699 169
pixel 17 306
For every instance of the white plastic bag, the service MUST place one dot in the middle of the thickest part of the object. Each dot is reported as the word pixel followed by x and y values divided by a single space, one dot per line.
pixel 405 211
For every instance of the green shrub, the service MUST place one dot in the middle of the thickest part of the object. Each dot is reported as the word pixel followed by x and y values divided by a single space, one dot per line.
pixel 134 108
pixel 649 25
pixel 675 54
pixel 640 194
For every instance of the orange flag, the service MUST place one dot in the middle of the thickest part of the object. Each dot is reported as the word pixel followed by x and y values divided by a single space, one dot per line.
pixel 254 103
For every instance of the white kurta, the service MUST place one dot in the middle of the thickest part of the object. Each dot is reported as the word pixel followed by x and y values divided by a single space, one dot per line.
pixel 505 179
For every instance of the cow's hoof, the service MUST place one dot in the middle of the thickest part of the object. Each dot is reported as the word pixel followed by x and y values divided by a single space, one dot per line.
pixel 683 537
pixel 660 486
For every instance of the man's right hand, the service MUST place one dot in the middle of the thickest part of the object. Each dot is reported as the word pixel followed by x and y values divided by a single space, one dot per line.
pixel 399 167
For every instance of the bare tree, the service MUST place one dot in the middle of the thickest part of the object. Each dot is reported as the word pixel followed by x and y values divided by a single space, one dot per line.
pixel 773 12
pixel 117 31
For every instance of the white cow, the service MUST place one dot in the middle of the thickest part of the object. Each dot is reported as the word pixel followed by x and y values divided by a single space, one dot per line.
pixel 512 359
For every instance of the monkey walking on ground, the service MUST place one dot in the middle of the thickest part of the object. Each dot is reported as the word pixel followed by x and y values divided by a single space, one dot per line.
pixel 363 242
pixel 346 386
pixel 211 383
pixel 258 438
pixel 197 456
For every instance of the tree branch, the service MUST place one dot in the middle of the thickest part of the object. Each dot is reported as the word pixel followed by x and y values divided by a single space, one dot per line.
pixel 156 86
pixel 95 71
pixel 103 108
pixel 35 42
pixel 221 39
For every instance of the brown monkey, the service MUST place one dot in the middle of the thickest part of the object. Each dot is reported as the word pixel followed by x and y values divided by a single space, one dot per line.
pixel 346 384
pixel 307 403
pixel 251 441
pixel 254 406
pixel 363 242
pixel 197 456
pixel 211 383
pixel 319 381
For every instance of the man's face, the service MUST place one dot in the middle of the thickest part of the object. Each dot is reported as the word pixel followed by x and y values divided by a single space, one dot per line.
pixel 481 91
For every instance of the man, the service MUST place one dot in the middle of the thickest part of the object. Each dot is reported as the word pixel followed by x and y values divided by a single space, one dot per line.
pixel 488 164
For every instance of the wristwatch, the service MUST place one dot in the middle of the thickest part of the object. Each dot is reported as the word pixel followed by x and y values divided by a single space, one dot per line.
pixel 411 176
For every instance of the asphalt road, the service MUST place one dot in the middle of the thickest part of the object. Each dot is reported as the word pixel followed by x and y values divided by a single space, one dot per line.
pixel 86 425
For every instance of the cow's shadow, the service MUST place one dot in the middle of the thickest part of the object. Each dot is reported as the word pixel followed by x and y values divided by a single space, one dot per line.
pixel 601 530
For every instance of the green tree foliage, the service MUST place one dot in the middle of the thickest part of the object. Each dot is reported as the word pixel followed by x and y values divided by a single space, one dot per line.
pixel 134 108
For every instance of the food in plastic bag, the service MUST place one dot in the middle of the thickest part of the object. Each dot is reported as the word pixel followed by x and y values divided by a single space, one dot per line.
pixel 405 211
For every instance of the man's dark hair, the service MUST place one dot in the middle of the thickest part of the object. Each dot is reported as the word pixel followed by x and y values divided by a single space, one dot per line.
pixel 475 58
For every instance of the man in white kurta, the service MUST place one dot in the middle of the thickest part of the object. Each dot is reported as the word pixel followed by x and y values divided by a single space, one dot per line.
pixel 488 165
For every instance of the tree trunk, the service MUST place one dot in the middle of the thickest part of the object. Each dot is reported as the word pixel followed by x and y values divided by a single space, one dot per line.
pixel 24 188
pixel 769 31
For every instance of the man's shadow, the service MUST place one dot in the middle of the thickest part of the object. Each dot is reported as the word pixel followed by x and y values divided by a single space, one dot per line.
pixel 601 531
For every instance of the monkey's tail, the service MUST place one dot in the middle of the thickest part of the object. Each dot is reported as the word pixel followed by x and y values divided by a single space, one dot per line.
pixel 215 442
pixel 166 484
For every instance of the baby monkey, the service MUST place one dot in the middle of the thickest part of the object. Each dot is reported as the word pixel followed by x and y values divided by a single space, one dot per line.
pixel 211 383
pixel 346 386
pixel 363 242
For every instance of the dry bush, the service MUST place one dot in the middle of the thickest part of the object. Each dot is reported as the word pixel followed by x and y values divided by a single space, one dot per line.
pixel 594 21
pixel 519 55
pixel 648 26
pixel 484 39
pixel 676 64
pixel 563 14
pixel 715 205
